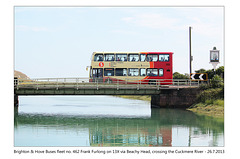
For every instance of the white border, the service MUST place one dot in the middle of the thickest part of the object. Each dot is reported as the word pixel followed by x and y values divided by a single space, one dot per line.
pixel 231 44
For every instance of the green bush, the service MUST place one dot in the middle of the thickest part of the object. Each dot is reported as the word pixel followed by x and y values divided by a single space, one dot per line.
pixel 204 86
pixel 211 73
pixel 209 101
pixel 211 95
pixel 218 102
pixel 216 82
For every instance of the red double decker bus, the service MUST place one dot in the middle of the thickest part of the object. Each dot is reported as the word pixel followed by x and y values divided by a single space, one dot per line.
pixel 132 67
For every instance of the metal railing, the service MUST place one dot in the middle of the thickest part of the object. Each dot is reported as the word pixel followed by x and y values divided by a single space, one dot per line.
pixel 99 83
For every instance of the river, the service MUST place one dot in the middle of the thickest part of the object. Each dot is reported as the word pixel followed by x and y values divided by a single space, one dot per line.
pixel 109 121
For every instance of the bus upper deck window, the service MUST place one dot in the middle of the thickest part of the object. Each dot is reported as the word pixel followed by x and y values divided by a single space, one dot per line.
pixel 142 57
pixel 152 57
pixel 98 57
pixel 163 57
pixel 109 57
pixel 133 57
pixel 121 57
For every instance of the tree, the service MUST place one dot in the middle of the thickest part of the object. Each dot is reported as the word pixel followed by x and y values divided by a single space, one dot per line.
pixel 201 71
pixel 177 75
pixel 216 82
pixel 211 73
pixel 220 71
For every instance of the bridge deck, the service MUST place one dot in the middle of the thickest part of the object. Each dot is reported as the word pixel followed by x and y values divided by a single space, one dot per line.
pixel 70 86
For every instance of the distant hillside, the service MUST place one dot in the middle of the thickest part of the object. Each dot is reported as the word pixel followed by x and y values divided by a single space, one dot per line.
pixel 19 74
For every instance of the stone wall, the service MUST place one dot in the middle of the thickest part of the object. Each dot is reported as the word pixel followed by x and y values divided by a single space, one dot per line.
pixel 181 98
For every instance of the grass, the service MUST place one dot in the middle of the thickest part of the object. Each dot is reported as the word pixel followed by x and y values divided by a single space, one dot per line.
pixel 214 108
pixel 210 102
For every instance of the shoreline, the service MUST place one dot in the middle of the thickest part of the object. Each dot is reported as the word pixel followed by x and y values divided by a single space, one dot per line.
pixel 214 109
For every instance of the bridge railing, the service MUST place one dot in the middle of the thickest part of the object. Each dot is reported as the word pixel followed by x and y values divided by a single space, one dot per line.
pixel 98 83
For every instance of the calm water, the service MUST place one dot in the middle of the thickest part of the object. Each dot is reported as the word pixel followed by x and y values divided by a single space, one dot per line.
pixel 109 121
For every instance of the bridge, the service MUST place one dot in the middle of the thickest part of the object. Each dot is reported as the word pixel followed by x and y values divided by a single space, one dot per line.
pixel 82 86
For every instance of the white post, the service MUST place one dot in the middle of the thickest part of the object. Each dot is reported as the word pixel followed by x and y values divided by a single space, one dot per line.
pixel 97 84
pixel 77 83
pixel 57 83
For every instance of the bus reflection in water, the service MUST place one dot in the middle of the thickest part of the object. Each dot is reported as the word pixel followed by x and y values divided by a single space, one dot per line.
pixel 147 67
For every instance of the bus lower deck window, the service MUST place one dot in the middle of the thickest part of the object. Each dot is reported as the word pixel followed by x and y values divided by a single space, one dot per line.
pixel 108 72
pixel 160 72
pixel 133 72
pixel 142 72
pixel 152 72
pixel 121 72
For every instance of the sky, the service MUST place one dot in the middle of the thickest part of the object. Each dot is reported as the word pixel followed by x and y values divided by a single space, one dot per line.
pixel 59 41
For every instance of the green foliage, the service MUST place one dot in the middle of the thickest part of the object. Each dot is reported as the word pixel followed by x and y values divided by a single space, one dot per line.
pixel 177 75
pixel 218 102
pixel 211 95
pixel 216 82
pixel 201 71
pixel 220 71
pixel 211 73
pixel 209 101
pixel 204 86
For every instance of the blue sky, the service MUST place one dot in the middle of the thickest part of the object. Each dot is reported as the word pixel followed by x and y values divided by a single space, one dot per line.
pixel 59 41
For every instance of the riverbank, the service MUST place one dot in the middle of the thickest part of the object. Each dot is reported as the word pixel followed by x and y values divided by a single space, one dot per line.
pixel 210 102
pixel 145 98
pixel 211 108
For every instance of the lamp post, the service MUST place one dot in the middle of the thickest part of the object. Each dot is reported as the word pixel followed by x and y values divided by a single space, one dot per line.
pixel 190 49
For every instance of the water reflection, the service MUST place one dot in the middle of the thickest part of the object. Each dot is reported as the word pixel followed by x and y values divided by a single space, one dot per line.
pixel 161 127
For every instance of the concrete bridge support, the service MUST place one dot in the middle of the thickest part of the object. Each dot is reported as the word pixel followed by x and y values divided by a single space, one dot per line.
pixel 173 98
pixel 15 100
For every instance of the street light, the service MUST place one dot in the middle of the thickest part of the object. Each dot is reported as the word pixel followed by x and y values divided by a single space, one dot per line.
pixel 190 49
